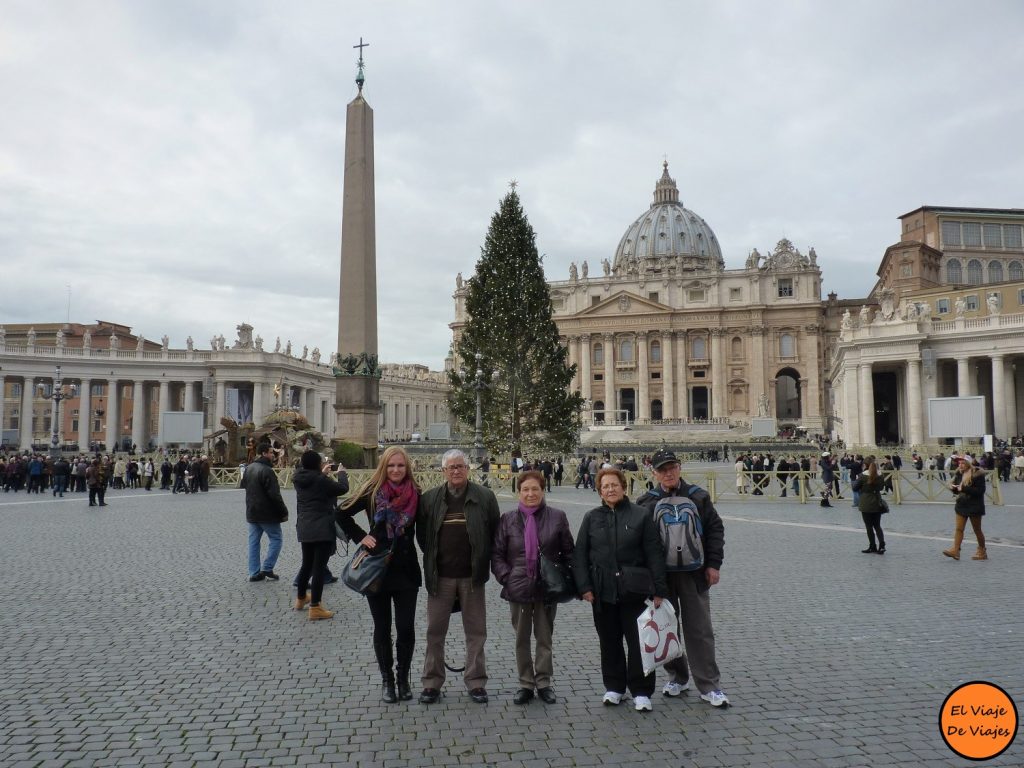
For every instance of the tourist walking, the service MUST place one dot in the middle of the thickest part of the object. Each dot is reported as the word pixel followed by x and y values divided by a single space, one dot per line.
pixel 618 540
pixel 316 496
pixel 96 479
pixel 868 490
pixel 969 486
pixel 523 534
pixel 265 510
pixel 390 499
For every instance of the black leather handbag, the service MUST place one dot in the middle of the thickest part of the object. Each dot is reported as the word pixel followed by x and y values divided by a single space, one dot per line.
pixel 365 572
pixel 556 580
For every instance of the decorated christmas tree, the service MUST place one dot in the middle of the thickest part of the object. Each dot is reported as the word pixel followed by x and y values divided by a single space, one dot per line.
pixel 525 398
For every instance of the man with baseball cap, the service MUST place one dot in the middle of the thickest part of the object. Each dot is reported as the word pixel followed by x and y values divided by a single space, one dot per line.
pixel 689 589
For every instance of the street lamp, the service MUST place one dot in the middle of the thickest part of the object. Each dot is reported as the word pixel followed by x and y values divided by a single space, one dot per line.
pixel 478 435
pixel 57 395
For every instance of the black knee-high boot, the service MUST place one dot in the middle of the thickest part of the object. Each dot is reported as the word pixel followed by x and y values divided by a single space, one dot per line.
pixel 384 663
pixel 404 663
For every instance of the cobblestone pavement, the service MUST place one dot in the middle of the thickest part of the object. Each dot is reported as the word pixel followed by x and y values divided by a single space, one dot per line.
pixel 130 635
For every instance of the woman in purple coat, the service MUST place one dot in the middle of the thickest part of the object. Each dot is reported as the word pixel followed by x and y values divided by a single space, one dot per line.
pixel 523 533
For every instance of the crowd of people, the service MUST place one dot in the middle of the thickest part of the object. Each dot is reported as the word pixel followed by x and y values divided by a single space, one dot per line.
pixel 96 473
pixel 619 559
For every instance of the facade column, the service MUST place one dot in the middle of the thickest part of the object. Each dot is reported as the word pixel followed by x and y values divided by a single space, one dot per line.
pixel 138 412
pixel 682 387
pixel 609 375
pixel 3 414
pixel 851 423
pixel 866 406
pixel 25 423
pixel 668 378
pixel 719 375
pixel 963 377
pixel 257 404
pixel 999 426
pixel 810 400
pixel 190 396
pixel 587 378
pixel 302 401
pixel 573 348
pixel 1010 390
pixel 84 414
pixel 221 399
pixel 757 335
pixel 643 406
pixel 163 407
pixel 113 406
pixel 915 400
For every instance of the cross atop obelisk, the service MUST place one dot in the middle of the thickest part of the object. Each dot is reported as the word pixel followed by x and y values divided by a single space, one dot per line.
pixel 357 403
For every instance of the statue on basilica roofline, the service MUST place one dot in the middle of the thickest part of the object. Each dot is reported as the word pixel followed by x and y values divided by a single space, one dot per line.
pixel 305 351
pixel 189 344
pixel 992 303
pixel 459 282
pixel 60 337
pixel 259 343
pixel 585 269
pixel 960 307
pixel 288 348
pixel 754 259
pixel 31 336
pixel 573 273
pixel 847 322
pixel 813 257
pixel 316 355
pixel 165 342
pixel 115 343
pixel 277 344
pixel 606 267
pixel 87 339
pixel 865 316
pixel 139 343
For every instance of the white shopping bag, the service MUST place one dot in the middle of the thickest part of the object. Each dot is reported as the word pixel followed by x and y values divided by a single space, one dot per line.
pixel 659 635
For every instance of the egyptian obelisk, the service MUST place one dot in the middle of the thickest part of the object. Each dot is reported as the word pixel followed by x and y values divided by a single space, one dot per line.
pixel 357 373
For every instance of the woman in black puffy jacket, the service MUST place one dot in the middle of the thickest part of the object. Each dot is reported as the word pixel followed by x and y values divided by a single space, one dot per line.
pixel 389 499
pixel 969 486
pixel 316 495
pixel 532 527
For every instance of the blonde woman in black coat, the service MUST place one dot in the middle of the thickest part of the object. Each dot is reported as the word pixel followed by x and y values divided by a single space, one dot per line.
pixel 969 486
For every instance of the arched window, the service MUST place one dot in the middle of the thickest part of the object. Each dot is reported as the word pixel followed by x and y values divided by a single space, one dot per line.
pixel 995 271
pixel 953 271
pixel 737 348
pixel 787 345
pixel 656 410
pixel 598 354
pixel 974 272
pixel 655 351
pixel 700 348
pixel 1016 270
pixel 626 350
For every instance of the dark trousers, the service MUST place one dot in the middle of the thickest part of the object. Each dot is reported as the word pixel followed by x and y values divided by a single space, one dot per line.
pixel 96 493
pixel 621 670
pixel 314 561
pixel 873 525
pixel 404 603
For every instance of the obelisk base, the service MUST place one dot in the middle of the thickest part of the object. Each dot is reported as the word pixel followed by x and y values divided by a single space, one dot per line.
pixel 357 406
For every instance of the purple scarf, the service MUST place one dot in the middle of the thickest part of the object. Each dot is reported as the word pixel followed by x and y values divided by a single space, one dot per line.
pixel 530 540
pixel 395 505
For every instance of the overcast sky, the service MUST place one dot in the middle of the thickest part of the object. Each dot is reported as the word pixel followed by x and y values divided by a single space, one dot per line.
pixel 178 163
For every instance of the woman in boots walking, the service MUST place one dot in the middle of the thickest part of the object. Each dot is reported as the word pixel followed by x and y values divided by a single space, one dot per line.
pixel 389 499
pixel 969 486
pixel 868 486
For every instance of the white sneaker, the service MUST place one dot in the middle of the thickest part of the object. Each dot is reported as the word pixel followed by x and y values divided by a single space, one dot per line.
pixel 716 698
pixel 612 699
pixel 642 704
pixel 673 688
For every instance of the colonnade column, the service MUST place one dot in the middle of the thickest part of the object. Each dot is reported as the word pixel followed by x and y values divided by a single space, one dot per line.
pixel 609 376
pixel 719 375
pixel 851 423
pixel 914 401
pixel 757 342
pixel 866 406
pixel 963 377
pixel 999 426
pixel 221 396
pixel 164 405
pixel 643 406
pixel 668 378
pixel 138 409
pixel 3 385
pixel 25 423
pixel 683 400
pixel 302 401
pixel 257 403
pixel 84 414
pixel 190 396
pixel 1010 390
pixel 113 406
pixel 586 378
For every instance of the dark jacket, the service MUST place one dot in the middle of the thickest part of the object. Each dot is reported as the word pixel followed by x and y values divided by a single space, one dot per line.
pixel 713 536
pixel 263 502
pixel 625 535
pixel 316 497
pixel 482 517
pixel 404 570
pixel 870 494
pixel 971 499
pixel 508 561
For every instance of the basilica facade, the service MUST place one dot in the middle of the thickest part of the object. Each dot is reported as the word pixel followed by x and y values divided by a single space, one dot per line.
pixel 662 333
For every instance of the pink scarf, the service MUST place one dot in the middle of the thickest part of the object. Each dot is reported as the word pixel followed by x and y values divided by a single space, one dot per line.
pixel 395 505
pixel 531 541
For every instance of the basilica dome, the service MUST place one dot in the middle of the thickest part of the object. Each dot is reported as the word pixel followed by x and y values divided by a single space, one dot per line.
pixel 668 236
